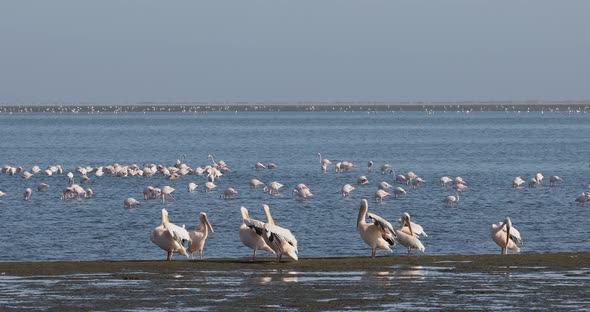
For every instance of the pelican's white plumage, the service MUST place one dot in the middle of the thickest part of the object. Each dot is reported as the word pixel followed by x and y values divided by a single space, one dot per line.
pixel 170 237
pixel 248 235
pixel 506 236
pixel 378 234
pixel 407 234
pixel 279 239
pixel 199 236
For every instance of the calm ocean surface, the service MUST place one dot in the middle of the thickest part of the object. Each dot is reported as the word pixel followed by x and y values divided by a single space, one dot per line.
pixel 487 149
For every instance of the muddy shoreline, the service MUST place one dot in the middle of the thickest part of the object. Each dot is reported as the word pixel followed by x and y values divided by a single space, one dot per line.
pixel 532 261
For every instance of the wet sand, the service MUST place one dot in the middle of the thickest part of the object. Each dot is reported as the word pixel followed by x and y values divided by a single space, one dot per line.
pixel 453 282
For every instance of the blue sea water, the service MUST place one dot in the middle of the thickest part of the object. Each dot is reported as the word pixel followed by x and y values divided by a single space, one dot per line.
pixel 487 149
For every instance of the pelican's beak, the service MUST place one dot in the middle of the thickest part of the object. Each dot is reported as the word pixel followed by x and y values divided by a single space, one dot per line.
pixel 206 221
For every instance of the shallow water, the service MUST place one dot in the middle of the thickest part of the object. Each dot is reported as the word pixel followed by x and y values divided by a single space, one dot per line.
pixel 487 149
pixel 402 287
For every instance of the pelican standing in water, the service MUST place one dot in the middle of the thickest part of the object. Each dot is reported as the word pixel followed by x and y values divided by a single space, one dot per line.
pixel 199 235
pixel 407 234
pixel 248 235
pixel 506 236
pixel 170 237
pixel 279 239
pixel 378 234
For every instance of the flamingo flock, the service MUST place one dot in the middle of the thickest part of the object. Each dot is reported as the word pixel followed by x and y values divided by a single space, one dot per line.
pixel 376 231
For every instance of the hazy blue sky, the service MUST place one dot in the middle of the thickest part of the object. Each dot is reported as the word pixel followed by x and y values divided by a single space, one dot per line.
pixel 131 51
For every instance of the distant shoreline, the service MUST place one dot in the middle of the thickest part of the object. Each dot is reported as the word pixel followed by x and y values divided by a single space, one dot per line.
pixel 573 106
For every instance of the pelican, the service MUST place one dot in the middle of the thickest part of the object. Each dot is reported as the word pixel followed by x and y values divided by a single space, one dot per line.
pixel 192 186
pixel 378 234
pixel 398 192
pixel 452 200
pixel 362 180
pixel 554 180
pixel 170 237
pixel 324 162
pixel 380 195
pixel 130 202
pixel 229 193
pixel 407 234
pixel 444 180
pixel 506 236
pixel 517 182
pixel 279 239
pixel 199 235
pixel 27 195
pixel 346 189
pixel 248 235
pixel 254 183
pixel 167 190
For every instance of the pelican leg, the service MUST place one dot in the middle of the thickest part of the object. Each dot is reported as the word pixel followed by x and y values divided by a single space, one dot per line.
pixel 373 252
pixel 409 251
pixel 280 257
pixel 192 256
pixel 254 255
pixel 201 255
pixel 170 253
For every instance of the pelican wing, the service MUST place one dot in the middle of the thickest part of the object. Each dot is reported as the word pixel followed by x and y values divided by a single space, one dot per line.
pixel 515 236
pixel 180 233
pixel 277 233
pixel 386 228
pixel 257 226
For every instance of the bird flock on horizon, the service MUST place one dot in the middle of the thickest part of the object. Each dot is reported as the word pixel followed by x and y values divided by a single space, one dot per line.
pixel 268 236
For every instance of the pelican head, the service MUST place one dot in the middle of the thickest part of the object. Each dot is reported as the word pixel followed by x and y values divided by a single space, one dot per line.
pixel 205 221
pixel 269 218
pixel 406 221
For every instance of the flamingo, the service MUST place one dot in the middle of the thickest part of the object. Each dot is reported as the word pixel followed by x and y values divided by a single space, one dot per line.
pixel 229 193
pixel 279 239
pixel 273 188
pixel 385 168
pixel 271 166
pixel 444 180
pixel 199 236
pixel 130 202
pixel 28 193
pixel 460 187
pixel 302 191
pixel 248 235
pixel 346 165
pixel 2 194
pixel 26 175
pixel 417 182
pixel 459 180
pixel 370 165
pixel 517 182
pixel 452 200
pixel 209 186
pixel 254 183
pixel 324 163
pixel 346 189
pixel 167 191
pixel 534 182
pixel 192 186
pixel 43 187
pixel 583 199
pixel 554 180
pixel 398 192
pixel 539 177
pixel 362 180
pixel 407 234
pixel 380 195
pixel 89 193
pixel 506 236
pixel 170 237
pixel 378 234
pixel 260 166
pixel 384 185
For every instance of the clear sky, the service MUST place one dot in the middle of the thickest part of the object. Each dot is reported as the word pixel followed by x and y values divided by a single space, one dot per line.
pixel 276 50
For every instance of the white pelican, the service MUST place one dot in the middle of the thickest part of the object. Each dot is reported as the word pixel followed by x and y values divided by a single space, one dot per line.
pixel 28 193
pixel 130 202
pixel 452 200
pixel 517 182
pixel 248 235
pixel 254 183
pixel 229 193
pixel 506 236
pixel 378 234
pixel 444 180
pixel 170 237
pixel 346 189
pixel 279 239
pixel 407 234
pixel 199 235
pixel 554 180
